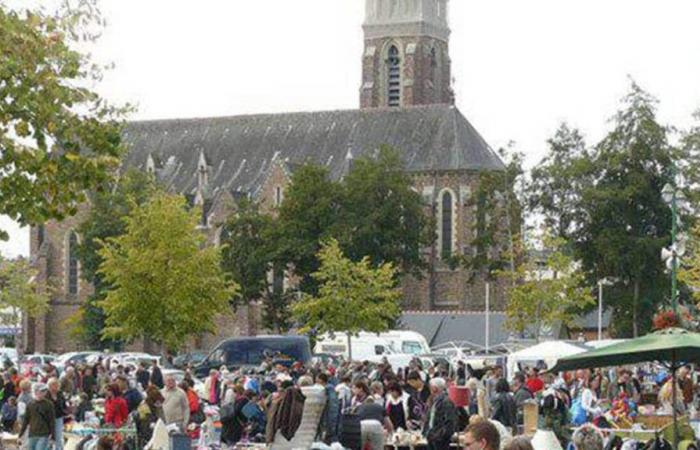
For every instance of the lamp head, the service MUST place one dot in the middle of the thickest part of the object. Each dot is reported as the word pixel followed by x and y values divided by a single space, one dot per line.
pixel 667 193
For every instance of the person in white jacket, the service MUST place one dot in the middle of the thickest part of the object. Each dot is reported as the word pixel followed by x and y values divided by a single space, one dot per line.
pixel 397 407
pixel 589 398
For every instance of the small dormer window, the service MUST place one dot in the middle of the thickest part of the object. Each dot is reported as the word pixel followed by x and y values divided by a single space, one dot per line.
pixel 278 196
pixel 394 77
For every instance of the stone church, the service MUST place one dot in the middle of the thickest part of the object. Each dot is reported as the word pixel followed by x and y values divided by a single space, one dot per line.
pixel 406 101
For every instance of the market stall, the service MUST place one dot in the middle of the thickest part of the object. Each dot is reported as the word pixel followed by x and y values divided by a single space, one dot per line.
pixel 548 351
pixel 670 347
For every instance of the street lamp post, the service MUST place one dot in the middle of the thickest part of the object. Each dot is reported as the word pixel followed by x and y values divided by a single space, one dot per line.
pixel 674 198
pixel 602 282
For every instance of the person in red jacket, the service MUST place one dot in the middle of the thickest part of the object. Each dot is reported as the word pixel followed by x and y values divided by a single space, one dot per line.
pixel 116 411
pixel 192 398
pixel 534 383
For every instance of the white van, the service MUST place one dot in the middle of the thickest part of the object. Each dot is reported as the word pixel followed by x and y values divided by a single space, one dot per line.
pixel 397 346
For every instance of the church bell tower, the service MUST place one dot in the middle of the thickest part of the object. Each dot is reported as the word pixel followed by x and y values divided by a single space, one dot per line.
pixel 406 59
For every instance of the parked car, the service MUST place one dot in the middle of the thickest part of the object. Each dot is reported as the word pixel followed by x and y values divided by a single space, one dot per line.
pixel 8 354
pixel 72 358
pixel 35 363
pixel 251 352
pixel 194 358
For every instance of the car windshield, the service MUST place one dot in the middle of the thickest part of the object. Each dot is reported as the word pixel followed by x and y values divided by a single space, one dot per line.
pixel 253 352
pixel 412 347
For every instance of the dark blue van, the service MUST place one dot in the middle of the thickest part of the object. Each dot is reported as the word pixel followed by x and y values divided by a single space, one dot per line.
pixel 240 352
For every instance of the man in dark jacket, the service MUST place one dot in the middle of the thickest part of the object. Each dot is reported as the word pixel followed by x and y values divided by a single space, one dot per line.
pixel 142 376
pixel 40 419
pixel 89 383
pixel 441 421
pixel 521 394
pixel 328 428
pixel 157 376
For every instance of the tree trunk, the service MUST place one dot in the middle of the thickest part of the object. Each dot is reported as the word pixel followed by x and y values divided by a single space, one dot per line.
pixel 349 346
pixel 635 300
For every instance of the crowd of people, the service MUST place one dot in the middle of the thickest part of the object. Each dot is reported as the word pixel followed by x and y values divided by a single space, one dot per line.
pixel 365 404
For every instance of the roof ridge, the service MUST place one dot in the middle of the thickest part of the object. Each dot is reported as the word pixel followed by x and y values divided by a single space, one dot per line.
pixel 290 113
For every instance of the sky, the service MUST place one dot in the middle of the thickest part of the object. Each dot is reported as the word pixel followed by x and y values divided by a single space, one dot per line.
pixel 520 67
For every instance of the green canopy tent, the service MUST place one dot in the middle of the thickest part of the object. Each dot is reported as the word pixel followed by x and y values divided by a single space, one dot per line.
pixel 672 347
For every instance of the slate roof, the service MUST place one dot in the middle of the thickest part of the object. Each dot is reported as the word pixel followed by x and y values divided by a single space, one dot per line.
pixel 240 149
pixel 442 327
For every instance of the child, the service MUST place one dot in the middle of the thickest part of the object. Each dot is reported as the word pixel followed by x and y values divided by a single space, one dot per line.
pixel 9 414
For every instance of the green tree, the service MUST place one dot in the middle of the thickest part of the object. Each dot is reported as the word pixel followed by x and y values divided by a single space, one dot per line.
pixel 372 212
pixel 352 297
pixel 165 284
pixel 498 209
pixel 381 216
pixel 544 295
pixel 558 180
pixel 247 256
pixel 59 139
pixel 306 217
pixel 689 270
pixel 105 220
pixel 19 294
pixel 625 222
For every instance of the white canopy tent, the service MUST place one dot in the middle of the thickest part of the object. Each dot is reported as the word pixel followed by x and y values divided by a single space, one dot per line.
pixel 548 351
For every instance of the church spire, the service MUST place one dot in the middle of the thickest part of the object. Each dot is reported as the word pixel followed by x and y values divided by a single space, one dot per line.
pixel 406 60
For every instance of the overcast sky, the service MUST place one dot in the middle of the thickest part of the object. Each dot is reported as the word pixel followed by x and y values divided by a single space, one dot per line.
pixel 520 67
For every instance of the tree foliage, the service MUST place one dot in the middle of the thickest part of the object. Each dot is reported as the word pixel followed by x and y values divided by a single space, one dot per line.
pixel 540 296
pixel 497 204
pixel 558 181
pixel 381 217
pixel 372 212
pixel 352 297
pixel 606 201
pixel 689 270
pixel 19 293
pixel 59 139
pixel 105 220
pixel 626 222
pixel 165 284
pixel 248 257
pixel 307 216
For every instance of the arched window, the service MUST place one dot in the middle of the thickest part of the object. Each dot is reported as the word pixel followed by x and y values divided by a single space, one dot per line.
pixel 394 77
pixel 446 224
pixel 72 266
pixel 40 235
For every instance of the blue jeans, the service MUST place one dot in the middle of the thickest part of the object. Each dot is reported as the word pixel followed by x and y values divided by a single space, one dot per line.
pixel 38 443
pixel 58 434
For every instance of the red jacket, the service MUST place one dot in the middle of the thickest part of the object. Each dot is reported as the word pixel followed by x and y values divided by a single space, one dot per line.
pixel 534 385
pixel 116 411
pixel 193 400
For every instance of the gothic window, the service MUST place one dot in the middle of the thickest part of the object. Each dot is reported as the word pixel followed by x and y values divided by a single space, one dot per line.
pixel 72 266
pixel 40 235
pixel 394 77
pixel 446 223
